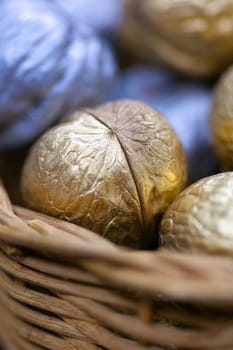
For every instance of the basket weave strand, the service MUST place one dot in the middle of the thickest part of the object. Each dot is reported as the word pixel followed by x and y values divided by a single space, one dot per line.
pixel 64 287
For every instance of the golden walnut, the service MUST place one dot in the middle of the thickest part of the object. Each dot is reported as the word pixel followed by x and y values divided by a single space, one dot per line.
pixel 194 37
pixel 221 120
pixel 113 169
pixel 201 217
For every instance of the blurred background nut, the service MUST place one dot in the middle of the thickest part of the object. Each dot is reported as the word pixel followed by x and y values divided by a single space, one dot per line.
pixel 103 16
pixel 49 65
pixel 221 120
pixel 201 217
pixel 186 104
pixel 194 37
pixel 113 169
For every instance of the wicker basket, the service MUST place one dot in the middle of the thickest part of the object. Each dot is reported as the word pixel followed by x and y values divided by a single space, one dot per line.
pixel 63 287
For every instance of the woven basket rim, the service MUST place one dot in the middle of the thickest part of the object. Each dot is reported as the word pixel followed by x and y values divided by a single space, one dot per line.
pixel 66 287
pixel 181 276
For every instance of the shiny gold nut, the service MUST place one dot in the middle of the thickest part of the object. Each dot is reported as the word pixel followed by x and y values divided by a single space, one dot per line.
pixel 221 120
pixel 113 169
pixel 201 217
pixel 192 36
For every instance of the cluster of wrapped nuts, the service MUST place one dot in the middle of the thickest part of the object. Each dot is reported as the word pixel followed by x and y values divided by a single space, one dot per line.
pixel 152 163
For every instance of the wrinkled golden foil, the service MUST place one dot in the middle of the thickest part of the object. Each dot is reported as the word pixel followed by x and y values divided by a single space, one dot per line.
pixel 192 36
pixel 221 120
pixel 201 217
pixel 113 169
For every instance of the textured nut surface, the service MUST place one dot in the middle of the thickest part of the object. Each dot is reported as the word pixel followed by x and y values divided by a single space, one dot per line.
pixel 185 104
pixel 201 217
pixel 193 36
pixel 112 169
pixel 221 120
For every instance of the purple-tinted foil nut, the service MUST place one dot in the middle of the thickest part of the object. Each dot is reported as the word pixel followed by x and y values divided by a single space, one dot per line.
pixel 48 66
pixel 104 16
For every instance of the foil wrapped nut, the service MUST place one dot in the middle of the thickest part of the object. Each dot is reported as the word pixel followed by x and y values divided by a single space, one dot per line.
pixel 221 120
pixel 49 65
pixel 201 217
pixel 185 104
pixel 103 16
pixel 194 37
pixel 113 169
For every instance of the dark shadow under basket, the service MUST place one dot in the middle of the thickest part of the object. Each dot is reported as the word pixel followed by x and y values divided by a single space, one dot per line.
pixel 63 288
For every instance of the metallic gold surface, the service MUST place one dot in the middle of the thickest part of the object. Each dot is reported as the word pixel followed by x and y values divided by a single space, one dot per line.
pixel 201 217
pixel 113 169
pixel 194 37
pixel 221 120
